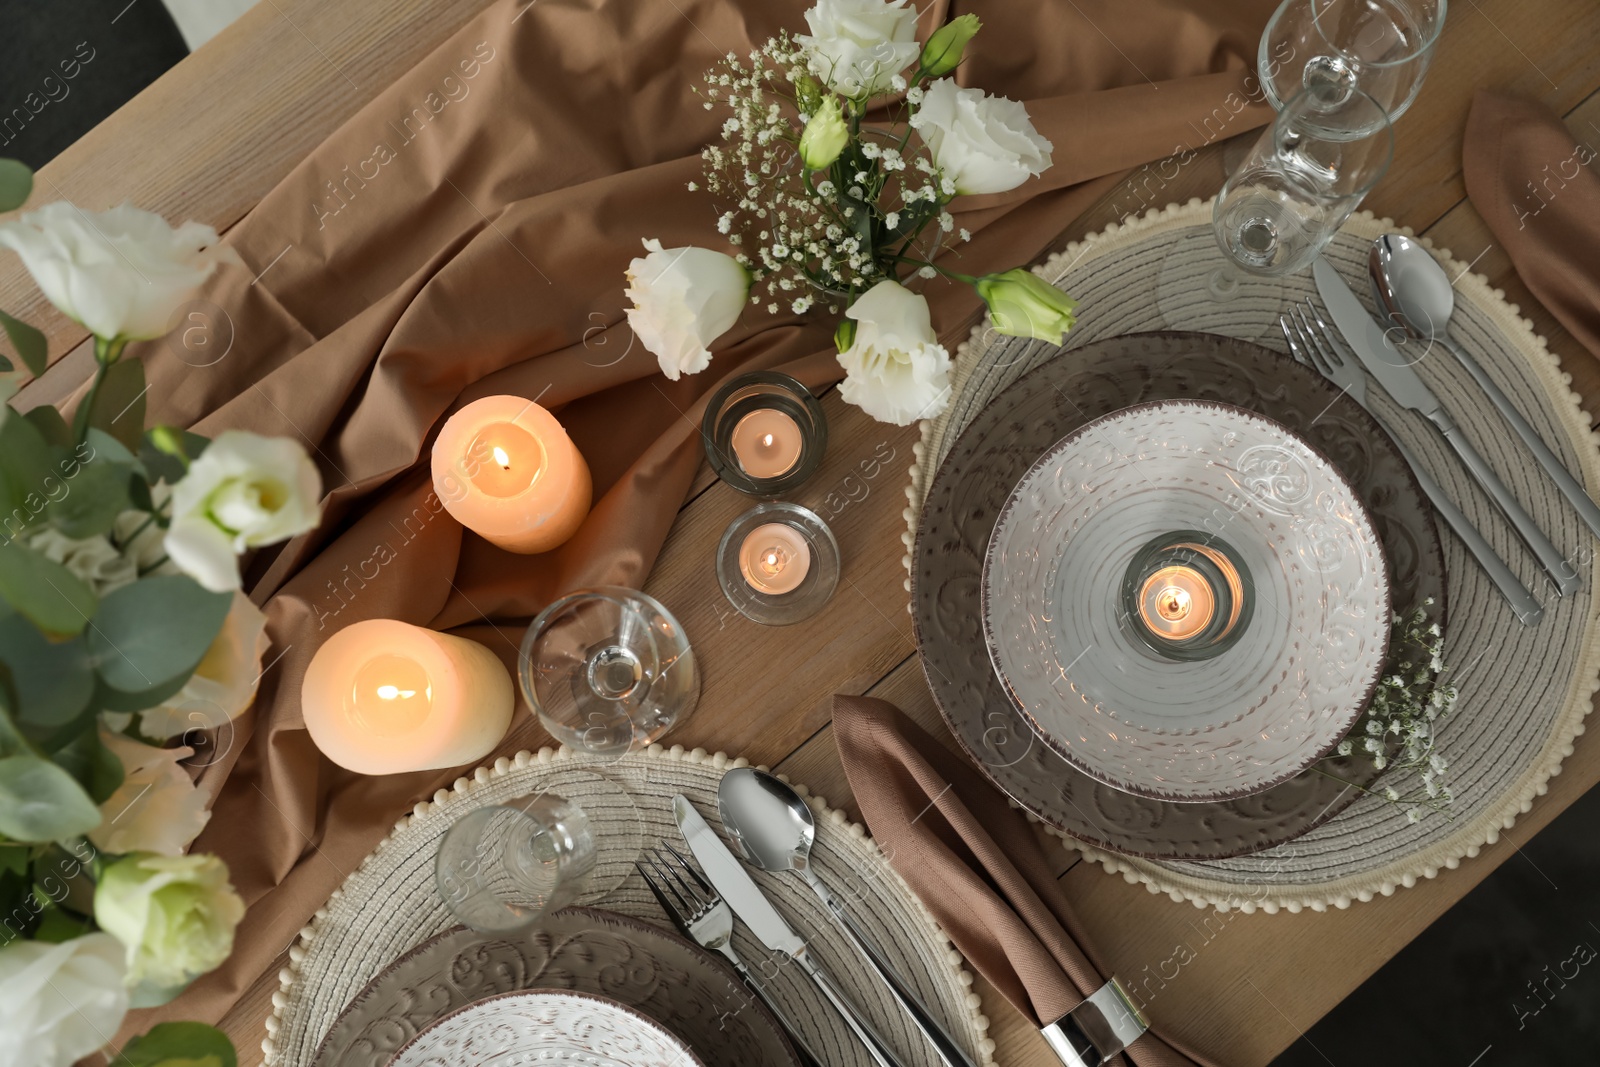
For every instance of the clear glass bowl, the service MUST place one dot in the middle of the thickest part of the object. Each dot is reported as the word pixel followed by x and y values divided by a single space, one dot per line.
pixel 608 670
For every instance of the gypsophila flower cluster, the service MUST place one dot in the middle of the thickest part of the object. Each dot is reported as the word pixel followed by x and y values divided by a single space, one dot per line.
pixel 830 234
pixel 1399 731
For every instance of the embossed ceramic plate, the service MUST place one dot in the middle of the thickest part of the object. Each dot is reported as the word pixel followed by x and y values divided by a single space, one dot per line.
pixel 545 1026
pixel 1310 646
pixel 974 479
pixel 585 950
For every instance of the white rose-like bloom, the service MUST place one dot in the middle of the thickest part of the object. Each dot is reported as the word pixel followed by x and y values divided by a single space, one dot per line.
pixel 94 561
pixel 120 273
pixel 858 46
pixel 984 144
pixel 157 808
pixel 243 492
pixel 895 370
pixel 221 687
pixel 175 917
pixel 683 299
pixel 59 1003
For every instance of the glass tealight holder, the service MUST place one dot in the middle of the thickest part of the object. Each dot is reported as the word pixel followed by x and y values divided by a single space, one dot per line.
pixel 764 433
pixel 778 563
pixel 1187 596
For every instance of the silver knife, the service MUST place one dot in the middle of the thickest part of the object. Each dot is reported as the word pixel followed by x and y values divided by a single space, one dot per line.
pixel 1401 381
pixel 728 875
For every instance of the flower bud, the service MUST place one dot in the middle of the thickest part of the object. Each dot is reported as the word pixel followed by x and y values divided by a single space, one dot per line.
pixel 945 48
pixel 825 136
pixel 845 335
pixel 1023 304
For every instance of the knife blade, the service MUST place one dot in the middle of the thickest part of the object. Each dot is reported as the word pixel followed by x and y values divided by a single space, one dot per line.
pixel 1401 381
pixel 728 876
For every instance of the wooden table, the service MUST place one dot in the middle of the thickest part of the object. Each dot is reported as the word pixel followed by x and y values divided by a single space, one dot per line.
pixel 196 144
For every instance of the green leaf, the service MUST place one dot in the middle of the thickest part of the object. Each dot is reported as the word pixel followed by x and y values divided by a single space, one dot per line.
pixel 119 404
pixel 155 630
pixel 29 342
pixel 53 680
pixel 28 473
pixel 58 925
pixel 48 594
pixel 173 1044
pixel 91 764
pixel 16 184
pixel 42 802
pixel 94 497
pixel 11 740
pixel 51 426
pixel 162 465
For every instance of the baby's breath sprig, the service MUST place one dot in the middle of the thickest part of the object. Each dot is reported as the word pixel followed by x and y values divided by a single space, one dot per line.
pixel 1399 732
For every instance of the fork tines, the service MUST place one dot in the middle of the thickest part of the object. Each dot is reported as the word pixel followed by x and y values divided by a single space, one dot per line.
pixel 674 874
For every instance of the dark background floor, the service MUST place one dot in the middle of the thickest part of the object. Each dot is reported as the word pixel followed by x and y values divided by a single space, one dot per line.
pixel 1509 977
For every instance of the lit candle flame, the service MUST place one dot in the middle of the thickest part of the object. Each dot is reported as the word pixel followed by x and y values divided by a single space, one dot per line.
pixel 501 458
pixel 767 440
pixel 393 692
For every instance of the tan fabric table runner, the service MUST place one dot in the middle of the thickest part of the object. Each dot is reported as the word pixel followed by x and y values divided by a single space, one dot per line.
pixel 466 234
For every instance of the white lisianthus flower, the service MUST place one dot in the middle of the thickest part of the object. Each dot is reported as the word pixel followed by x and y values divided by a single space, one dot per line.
pixel 858 46
pixel 94 561
pixel 243 491
pixel 120 273
pixel 221 688
pixel 60 1002
pixel 175 917
pixel 683 299
pixel 981 143
pixel 157 808
pixel 895 368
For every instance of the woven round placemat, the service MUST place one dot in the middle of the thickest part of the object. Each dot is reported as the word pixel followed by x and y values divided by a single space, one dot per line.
pixel 1524 691
pixel 388 906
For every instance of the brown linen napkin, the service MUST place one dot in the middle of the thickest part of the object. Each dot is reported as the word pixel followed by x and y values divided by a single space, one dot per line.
pixel 976 865
pixel 1535 184
pixel 465 233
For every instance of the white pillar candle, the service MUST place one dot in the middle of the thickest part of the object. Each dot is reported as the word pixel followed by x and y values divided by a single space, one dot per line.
pixel 507 471
pixel 774 558
pixel 383 696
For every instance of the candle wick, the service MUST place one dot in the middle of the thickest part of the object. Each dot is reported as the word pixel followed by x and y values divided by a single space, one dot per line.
pixel 501 458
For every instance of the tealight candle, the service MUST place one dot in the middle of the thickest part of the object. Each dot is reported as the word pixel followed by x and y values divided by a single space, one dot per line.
pixel 506 470
pixel 1176 602
pixel 1187 599
pixel 383 696
pixel 767 443
pixel 774 558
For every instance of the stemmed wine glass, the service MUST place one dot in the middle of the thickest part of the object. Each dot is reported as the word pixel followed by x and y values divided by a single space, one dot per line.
pixel 1333 48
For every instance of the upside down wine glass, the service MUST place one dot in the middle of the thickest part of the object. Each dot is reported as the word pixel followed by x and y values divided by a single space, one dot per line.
pixel 1301 181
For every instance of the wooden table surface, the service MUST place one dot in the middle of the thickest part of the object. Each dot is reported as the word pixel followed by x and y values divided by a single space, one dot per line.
pixel 209 138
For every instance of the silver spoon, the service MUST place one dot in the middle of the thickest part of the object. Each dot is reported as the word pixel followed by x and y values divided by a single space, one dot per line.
pixel 1415 293
pixel 774 828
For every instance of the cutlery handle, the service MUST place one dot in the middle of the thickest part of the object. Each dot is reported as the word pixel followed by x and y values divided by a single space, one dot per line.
pixel 808 1057
pixel 1528 610
pixel 1564 574
pixel 951 1053
pixel 876 1045
pixel 1570 488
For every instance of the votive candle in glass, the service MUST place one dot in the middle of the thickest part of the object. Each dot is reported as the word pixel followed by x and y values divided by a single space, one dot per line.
pixel 764 433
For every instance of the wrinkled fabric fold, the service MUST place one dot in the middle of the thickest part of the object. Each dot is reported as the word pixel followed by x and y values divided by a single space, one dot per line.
pixel 974 862
pixel 1535 184
pixel 466 233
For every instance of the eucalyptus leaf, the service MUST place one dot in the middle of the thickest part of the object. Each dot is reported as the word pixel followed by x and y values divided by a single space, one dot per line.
pixel 42 802
pixel 174 1044
pixel 155 630
pixel 94 497
pixel 45 592
pixel 16 184
pixel 28 341
pixel 118 407
pixel 12 741
pixel 51 426
pixel 27 469
pixel 91 764
pixel 53 680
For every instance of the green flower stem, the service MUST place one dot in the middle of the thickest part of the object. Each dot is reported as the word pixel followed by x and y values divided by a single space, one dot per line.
pixel 957 275
pixel 106 352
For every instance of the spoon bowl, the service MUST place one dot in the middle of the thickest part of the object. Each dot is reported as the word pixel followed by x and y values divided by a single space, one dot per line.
pixel 767 818
pixel 1411 289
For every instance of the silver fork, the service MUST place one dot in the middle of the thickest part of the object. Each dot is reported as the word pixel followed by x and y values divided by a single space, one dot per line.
pixel 1321 348
pixel 701 913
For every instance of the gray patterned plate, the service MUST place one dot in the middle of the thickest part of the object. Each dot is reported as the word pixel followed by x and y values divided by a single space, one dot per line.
pixel 964 499
pixel 681 986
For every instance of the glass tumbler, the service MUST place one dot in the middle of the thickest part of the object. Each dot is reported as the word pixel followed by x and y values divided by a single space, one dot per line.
pixel 1333 48
pixel 608 670
pixel 1301 181
pixel 501 868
